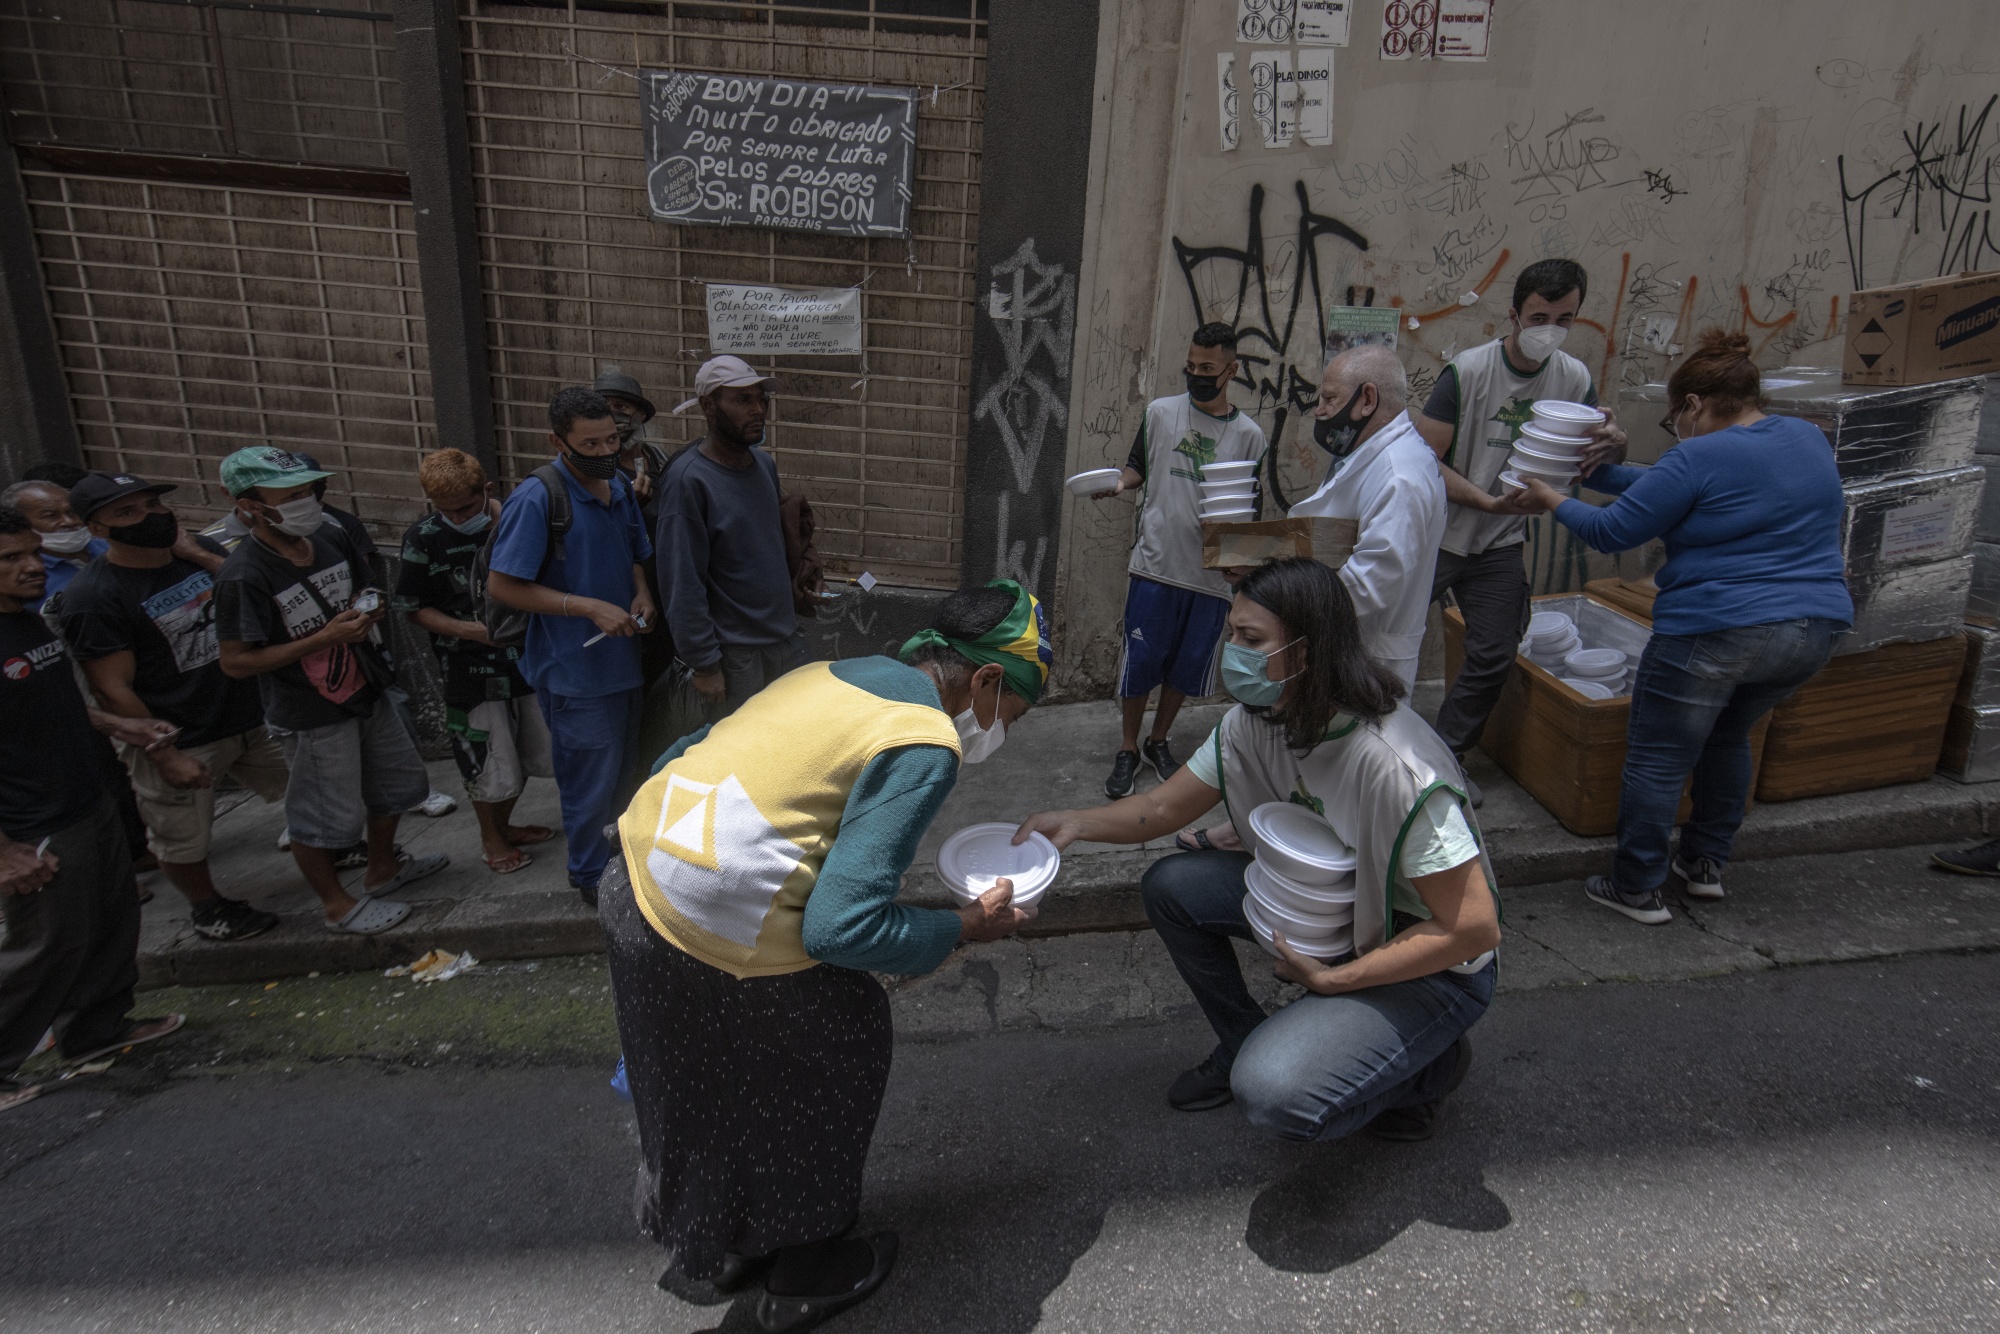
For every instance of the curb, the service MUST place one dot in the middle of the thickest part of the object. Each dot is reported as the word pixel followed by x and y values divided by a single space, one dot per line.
pixel 1099 891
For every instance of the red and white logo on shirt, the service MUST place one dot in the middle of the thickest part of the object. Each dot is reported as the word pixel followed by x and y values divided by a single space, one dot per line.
pixel 17 669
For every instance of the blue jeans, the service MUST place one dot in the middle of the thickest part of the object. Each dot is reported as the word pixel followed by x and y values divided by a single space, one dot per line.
pixel 1324 1066
pixel 1695 699
pixel 593 744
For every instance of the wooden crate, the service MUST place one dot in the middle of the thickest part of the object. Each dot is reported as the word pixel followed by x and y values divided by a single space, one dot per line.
pixel 1568 752
pixel 1867 720
pixel 1633 597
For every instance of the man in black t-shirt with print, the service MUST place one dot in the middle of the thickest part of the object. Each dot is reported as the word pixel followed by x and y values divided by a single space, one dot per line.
pixel 70 957
pixel 141 620
pixel 293 609
pixel 498 735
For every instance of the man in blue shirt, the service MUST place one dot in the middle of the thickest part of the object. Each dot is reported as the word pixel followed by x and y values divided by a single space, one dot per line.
pixel 67 545
pixel 586 599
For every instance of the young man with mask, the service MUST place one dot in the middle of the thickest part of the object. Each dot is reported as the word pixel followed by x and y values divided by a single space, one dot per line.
pixel 497 732
pixel 1472 420
pixel 1174 609
pixel 142 623
pixel 586 601
pixel 67 544
pixel 69 902
pixel 722 544
pixel 294 610
pixel 1386 479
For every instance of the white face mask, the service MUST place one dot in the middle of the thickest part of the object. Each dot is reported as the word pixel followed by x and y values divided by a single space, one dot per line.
pixel 1539 340
pixel 975 743
pixel 301 517
pixel 66 541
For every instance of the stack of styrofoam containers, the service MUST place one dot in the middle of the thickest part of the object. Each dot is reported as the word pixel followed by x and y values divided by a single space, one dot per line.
pixel 1229 492
pixel 1550 445
pixel 1575 650
pixel 1301 883
pixel 1906 461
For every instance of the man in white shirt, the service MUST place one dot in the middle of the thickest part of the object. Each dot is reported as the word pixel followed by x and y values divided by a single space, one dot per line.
pixel 1472 420
pixel 1386 479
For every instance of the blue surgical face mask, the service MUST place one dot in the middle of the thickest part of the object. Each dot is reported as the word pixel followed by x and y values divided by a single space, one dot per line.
pixel 476 524
pixel 1246 675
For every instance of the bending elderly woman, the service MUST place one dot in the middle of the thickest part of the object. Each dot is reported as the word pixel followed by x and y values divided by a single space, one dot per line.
pixel 1381 1039
pixel 754 899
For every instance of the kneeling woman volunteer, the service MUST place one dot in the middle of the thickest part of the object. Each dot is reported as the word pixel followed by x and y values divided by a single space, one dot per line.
pixel 754 898
pixel 1381 1040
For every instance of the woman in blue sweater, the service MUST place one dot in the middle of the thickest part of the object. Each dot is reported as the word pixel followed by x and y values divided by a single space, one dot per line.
pixel 1752 598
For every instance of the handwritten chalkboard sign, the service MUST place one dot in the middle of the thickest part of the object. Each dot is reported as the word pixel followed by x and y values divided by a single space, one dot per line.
pixel 728 150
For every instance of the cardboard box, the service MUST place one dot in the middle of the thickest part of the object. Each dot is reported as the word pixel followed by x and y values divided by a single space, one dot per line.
pixel 1922 332
pixel 1228 545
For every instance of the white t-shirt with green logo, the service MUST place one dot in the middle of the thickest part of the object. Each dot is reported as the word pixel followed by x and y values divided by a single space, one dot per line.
pixel 1493 399
pixel 1176 440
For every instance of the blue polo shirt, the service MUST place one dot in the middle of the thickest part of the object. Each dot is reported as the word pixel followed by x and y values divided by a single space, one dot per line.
pixel 599 551
pixel 62 569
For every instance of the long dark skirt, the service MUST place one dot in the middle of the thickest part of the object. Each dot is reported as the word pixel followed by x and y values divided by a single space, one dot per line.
pixel 756 1098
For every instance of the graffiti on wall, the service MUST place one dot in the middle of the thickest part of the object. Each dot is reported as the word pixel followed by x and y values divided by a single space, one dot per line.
pixel 1032 309
pixel 1936 188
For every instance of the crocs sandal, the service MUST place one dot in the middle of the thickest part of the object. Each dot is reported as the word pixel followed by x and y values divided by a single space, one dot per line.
pixel 528 835
pixel 142 1030
pixel 413 869
pixel 509 864
pixel 370 916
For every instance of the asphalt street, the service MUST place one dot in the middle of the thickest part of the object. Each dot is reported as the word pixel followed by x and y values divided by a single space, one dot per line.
pixel 1797 1149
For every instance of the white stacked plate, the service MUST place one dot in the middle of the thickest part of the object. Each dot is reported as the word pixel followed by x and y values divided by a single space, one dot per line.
pixel 1097 479
pixel 1229 491
pixel 1551 635
pixel 1299 845
pixel 1596 664
pixel 977 855
pixel 1548 442
pixel 1236 470
pixel 1264 922
pixel 1588 689
pixel 1560 417
pixel 1532 460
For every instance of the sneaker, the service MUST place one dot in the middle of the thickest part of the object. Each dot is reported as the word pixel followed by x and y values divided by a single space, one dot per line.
pixel 1472 792
pixel 231 919
pixel 1982 860
pixel 1199 1089
pixel 1123 770
pixel 588 893
pixel 1703 877
pixel 435 805
pixel 1647 907
pixel 285 839
pixel 1161 758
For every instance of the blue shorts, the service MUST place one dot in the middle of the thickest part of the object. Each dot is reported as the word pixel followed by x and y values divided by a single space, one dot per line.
pixel 1173 636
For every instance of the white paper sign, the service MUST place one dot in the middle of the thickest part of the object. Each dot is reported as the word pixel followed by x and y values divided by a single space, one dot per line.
pixel 787 321
pixel 1464 29
pixel 1266 22
pixel 1314 81
pixel 1920 530
pixel 1323 22
pixel 1274 97
pixel 1225 98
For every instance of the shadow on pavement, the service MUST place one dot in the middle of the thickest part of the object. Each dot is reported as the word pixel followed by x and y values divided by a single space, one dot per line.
pixel 1358 1196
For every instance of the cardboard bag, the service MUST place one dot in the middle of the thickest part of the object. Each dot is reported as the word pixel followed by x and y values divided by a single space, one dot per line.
pixel 1328 541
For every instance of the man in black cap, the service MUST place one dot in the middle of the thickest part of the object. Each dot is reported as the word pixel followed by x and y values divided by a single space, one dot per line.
pixel 141 620
pixel 644 463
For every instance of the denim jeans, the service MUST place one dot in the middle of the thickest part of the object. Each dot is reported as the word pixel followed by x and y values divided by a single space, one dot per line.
pixel 1695 699
pixel 1323 1066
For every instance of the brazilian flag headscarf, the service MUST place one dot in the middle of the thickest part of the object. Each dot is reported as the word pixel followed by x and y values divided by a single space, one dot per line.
pixel 1020 644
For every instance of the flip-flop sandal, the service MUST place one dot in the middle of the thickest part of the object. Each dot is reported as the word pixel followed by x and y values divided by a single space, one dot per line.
pixel 1194 840
pixel 529 835
pixel 413 869
pixel 145 1030
pixel 370 916
pixel 509 864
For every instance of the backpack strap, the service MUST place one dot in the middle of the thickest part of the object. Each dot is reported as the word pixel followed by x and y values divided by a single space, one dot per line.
pixel 559 513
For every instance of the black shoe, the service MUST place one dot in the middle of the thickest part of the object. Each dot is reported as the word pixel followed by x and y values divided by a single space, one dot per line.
pixel 1161 759
pixel 230 919
pixel 1123 770
pixel 1648 908
pixel 1982 860
pixel 588 893
pixel 1408 1125
pixel 780 1313
pixel 1200 1089
pixel 738 1272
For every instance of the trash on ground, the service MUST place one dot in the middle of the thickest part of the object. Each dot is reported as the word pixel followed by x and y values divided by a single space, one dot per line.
pixel 436 966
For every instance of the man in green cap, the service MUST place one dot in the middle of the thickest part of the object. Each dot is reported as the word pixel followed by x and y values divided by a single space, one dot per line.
pixel 755 898
pixel 294 610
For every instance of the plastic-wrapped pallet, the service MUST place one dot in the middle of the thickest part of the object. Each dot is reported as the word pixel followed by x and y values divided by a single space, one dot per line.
pixel 1876 432
pixel 1908 543
pixel 1983 603
pixel 1972 738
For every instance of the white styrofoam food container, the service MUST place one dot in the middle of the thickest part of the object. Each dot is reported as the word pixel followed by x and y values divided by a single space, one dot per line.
pixel 974 857
pixel 1097 479
pixel 1299 845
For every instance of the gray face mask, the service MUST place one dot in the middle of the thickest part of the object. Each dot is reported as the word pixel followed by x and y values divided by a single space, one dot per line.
pixel 472 526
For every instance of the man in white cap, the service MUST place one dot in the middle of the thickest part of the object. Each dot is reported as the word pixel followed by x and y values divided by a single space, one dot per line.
pixel 721 543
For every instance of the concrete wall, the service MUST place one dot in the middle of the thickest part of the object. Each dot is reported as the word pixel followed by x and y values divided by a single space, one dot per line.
pixel 1692 156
